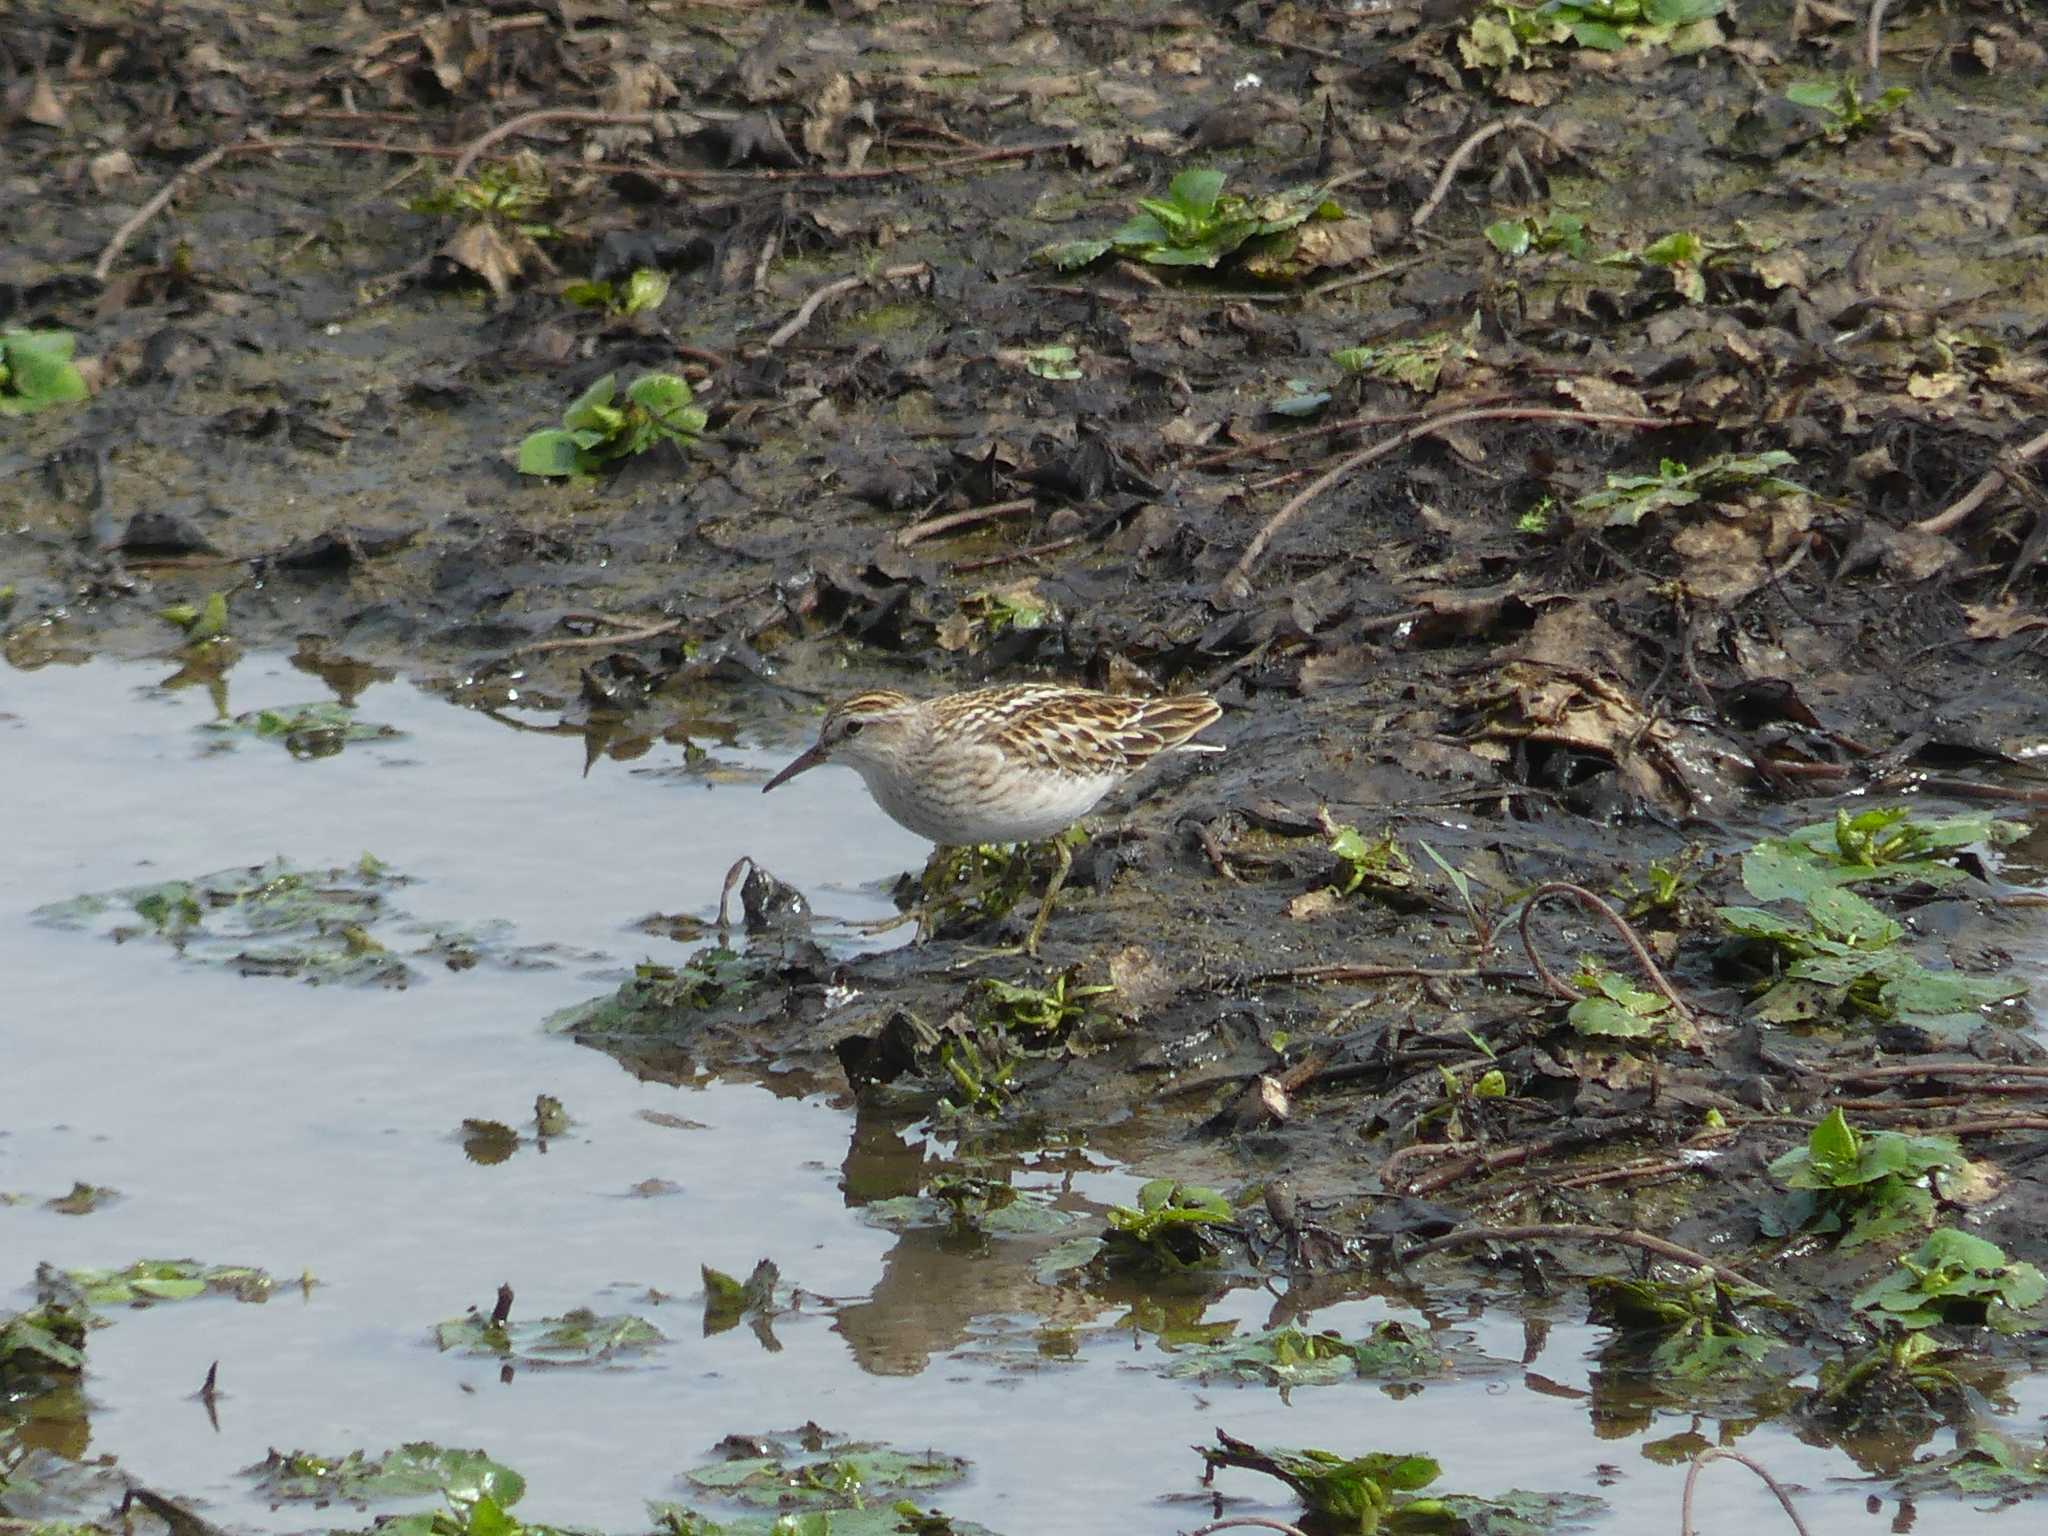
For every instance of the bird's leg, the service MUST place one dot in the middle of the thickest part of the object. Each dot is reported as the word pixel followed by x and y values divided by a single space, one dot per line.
pixel 1052 890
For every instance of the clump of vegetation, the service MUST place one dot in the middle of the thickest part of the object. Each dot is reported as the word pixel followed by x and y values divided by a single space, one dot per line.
pixel 577 1337
pixel 1544 232
pixel 36 371
pixel 601 429
pixel 1173 1226
pixel 1380 862
pixel 1958 1278
pixel 1885 845
pixel 203 621
pixel 641 293
pixel 1847 111
pixel 1628 499
pixel 500 209
pixel 1295 1357
pixel 1843 956
pixel 1699 1332
pixel 1505 35
pixel 1865 1187
pixel 1416 363
pixel 1198 224
pixel 1045 1013
pixel 1615 1007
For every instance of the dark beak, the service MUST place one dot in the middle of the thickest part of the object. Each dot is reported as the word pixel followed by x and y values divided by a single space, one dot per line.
pixel 802 764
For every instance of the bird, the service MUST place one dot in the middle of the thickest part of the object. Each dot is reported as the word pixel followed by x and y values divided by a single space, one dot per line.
pixel 1015 764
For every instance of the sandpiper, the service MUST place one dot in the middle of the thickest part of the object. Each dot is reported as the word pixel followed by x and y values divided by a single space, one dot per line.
pixel 1001 765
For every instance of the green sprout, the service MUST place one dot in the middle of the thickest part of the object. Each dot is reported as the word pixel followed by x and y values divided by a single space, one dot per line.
pixel 1847 111
pixel 1627 499
pixel 600 429
pixel 1867 1187
pixel 1196 224
pixel 1955 1277
pixel 36 371
pixel 642 293
pixel 1415 363
pixel 507 196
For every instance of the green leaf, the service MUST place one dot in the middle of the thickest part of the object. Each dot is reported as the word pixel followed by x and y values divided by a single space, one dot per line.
pixel 1197 190
pixel 589 294
pixel 1068 255
pixel 593 408
pixel 645 290
pixel 36 371
pixel 1825 94
pixel 1593 34
pixel 550 451
pixel 1510 237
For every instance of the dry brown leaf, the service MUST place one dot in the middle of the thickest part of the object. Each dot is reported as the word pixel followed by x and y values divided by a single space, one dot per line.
pixel 2001 621
pixel 1602 396
pixel 1309 905
pixel 1914 555
pixel 1142 983
pixel 497 259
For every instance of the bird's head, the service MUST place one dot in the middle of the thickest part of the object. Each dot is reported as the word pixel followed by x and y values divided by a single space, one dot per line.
pixel 865 731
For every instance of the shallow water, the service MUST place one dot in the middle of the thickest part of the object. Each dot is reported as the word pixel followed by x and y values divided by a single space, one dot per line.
pixel 316 1129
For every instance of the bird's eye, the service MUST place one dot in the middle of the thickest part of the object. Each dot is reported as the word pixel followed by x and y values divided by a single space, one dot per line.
pixel 852 727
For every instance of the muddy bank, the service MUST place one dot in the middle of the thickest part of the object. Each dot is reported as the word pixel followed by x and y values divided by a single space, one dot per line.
pixel 1618 458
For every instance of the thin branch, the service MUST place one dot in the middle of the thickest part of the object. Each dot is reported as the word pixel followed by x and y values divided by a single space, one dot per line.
pixel 157 204
pixel 1028 552
pixel 526 120
pixel 584 642
pixel 1465 151
pixel 1619 924
pixel 1238 582
pixel 1257 1520
pixel 1575 1232
pixel 1717 1453
pixel 810 307
pixel 931 527
pixel 1958 511
pixel 1872 34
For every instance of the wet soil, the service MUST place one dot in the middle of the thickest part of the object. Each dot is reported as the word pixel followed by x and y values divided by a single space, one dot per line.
pixel 1416 610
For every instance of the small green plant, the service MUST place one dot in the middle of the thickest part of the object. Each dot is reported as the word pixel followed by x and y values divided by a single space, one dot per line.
pixel 600 429
pixel 1847 111
pixel 1885 845
pixel 1865 1187
pixel 1416 363
pixel 1197 224
pixel 1381 863
pixel 1540 233
pixel 201 621
pixel 1955 1277
pixel 982 1064
pixel 1662 888
pixel 1616 1008
pixel 507 196
pixel 641 293
pixel 1694 1320
pixel 1173 1226
pixel 1506 34
pixel 1046 1013
pixel 1294 1357
pixel 1627 499
pixel 36 371
pixel 1905 1364
pixel 1846 955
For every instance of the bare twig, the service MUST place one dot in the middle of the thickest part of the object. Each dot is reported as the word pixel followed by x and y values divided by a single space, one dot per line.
pixel 1717 1453
pixel 158 203
pixel 1255 1520
pixel 1028 552
pixel 931 527
pixel 584 642
pixel 1238 582
pixel 526 120
pixel 1574 1232
pixel 810 306
pixel 1933 1069
pixel 1959 510
pixel 1873 33
pixel 1465 151
pixel 1620 925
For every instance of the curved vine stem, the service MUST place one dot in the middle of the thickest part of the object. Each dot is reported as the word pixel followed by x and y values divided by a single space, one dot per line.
pixel 1620 925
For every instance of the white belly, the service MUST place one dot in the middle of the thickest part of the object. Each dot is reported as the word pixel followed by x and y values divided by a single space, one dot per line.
pixel 1029 808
